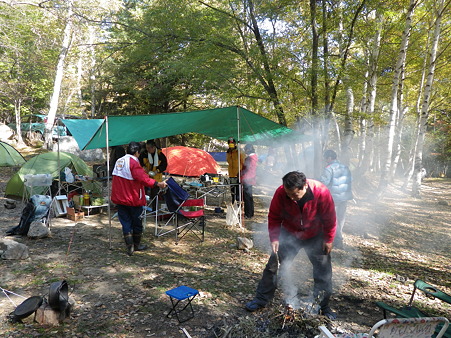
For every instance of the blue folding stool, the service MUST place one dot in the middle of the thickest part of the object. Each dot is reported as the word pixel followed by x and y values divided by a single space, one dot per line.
pixel 179 294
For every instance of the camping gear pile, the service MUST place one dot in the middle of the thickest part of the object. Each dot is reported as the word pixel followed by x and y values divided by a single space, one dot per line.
pixel 58 301
pixel 37 209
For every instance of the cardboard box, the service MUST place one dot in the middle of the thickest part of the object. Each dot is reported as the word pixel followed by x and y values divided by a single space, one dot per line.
pixel 75 215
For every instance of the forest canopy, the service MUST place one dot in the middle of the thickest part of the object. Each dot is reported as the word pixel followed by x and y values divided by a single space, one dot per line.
pixel 369 77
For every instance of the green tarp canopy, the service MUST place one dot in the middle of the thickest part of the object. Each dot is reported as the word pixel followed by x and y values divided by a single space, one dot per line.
pixel 10 157
pixel 220 123
pixel 47 163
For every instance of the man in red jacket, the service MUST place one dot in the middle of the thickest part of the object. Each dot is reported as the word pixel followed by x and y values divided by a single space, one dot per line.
pixel 301 215
pixel 127 192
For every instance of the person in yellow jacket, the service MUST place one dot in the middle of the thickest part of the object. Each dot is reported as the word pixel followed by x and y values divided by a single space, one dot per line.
pixel 235 168
pixel 154 163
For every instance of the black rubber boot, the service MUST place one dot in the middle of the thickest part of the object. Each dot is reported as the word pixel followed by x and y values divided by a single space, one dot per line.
pixel 129 243
pixel 137 241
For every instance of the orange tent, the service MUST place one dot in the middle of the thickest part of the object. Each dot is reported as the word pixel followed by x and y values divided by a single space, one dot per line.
pixel 187 161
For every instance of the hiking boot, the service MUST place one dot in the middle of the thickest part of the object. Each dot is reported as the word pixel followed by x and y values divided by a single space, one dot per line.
pixel 136 243
pixel 129 243
pixel 254 305
pixel 327 312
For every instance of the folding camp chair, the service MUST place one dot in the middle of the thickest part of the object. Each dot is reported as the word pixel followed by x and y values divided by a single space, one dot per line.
pixel 397 328
pixel 185 215
pixel 409 310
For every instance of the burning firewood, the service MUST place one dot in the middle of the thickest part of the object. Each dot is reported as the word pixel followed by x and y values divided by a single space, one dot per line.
pixel 299 320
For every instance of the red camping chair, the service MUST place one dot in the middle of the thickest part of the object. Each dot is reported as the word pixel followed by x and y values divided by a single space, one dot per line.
pixel 193 220
pixel 187 215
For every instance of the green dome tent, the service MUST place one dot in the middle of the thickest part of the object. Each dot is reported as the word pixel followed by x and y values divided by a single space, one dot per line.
pixel 10 157
pixel 47 163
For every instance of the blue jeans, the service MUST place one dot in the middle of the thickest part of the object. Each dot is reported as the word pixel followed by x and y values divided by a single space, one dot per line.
pixel 289 247
pixel 129 218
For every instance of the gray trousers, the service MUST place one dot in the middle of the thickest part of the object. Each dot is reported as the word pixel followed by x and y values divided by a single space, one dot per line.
pixel 340 210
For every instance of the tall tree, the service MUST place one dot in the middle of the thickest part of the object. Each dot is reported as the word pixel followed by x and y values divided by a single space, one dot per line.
pixel 67 34
pixel 367 134
pixel 394 109
pixel 439 10
pixel 27 49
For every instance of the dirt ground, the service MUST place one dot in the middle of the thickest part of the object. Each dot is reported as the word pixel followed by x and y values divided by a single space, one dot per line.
pixel 389 242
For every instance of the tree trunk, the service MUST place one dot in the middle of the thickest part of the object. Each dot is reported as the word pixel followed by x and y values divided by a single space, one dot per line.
pixel 317 146
pixel 416 186
pixel 414 145
pixel 365 162
pixel 385 172
pixel 92 71
pixel 272 91
pixel 326 60
pixel 344 52
pixel 17 108
pixel 326 74
pixel 348 132
pixel 363 108
pixel 398 129
pixel 58 78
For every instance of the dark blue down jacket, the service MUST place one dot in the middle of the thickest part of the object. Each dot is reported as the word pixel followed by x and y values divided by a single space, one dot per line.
pixel 337 177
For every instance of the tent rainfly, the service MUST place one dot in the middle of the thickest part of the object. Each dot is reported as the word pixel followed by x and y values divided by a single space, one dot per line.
pixel 10 157
pixel 47 163
pixel 220 123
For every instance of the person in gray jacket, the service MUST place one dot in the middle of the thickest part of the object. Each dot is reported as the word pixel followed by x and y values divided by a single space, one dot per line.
pixel 337 177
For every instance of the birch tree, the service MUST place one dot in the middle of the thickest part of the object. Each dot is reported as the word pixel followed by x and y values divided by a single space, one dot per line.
pixel 67 35
pixel 368 132
pixel 385 172
pixel 348 131
pixel 416 186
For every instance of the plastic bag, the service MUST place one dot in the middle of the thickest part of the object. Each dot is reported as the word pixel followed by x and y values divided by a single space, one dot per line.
pixel 69 175
pixel 232 214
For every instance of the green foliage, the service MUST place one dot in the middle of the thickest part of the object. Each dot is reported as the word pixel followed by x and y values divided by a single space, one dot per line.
pixel 145 57
pixel 26 54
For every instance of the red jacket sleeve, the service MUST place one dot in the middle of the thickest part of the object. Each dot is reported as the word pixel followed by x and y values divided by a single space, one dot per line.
pixel 140 175
pixel 275 217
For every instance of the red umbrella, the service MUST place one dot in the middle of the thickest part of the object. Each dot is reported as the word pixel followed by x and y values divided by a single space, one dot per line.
pixel 187 161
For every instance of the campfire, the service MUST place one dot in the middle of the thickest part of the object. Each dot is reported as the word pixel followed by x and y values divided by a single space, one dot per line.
pixel 298 321
pixel 281 320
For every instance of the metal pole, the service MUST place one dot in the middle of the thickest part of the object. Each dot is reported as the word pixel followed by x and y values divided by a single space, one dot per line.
pixel 239 166
pixel 59 169
pixel 108 181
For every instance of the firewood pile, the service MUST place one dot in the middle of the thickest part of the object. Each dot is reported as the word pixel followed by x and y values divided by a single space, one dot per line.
pixel 275 321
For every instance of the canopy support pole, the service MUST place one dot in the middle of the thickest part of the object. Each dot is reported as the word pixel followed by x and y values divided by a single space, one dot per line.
pixel 59 164
pixel 108 181
pixel 240 192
